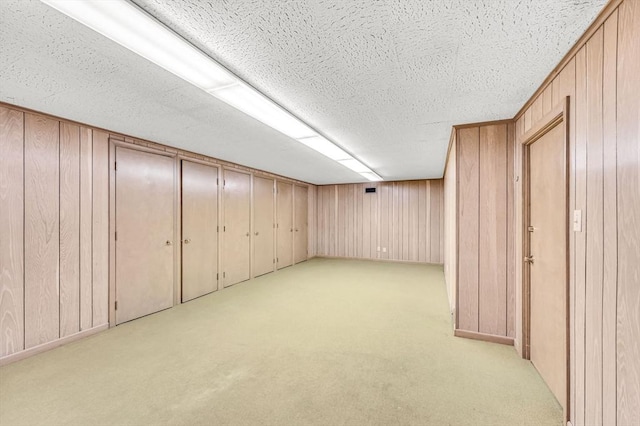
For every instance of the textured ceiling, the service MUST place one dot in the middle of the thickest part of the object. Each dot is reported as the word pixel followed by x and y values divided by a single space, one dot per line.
pixel 386 80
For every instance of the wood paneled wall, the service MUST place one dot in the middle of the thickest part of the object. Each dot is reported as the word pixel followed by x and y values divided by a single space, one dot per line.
pixel 479 261
pixel 451 225
pixel 54 225
pixel 400 221
pixel 602 83
pixel 54 228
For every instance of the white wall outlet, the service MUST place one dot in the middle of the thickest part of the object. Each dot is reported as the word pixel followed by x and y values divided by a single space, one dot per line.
pixel 378 248
pixel 384 249
pixel 577 221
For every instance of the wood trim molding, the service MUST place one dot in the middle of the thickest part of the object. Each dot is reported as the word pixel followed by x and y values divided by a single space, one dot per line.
pixel 50 345
pixel 483 123
pixel 451 140
pixel 503 340
pixel 608 9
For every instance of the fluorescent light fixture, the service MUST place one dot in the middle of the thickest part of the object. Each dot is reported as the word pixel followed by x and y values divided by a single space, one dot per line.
pixel 134 29
pixel 258 106
pixel 325 147
pixel 131 27
pixel 355 165
pixel 371 176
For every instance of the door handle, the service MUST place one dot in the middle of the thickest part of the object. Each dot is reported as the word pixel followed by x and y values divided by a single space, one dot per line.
pixel 187 241
pixel 296 230
pixel 257 233
pixel 529 259
pixel 291 230
pixel 248 234
pixel 168 243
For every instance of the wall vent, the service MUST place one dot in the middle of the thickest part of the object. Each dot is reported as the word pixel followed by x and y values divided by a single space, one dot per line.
pixel 368 190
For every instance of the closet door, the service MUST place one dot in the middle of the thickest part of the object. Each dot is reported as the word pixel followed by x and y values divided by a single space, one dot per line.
pixel 237 227
pixel 263 226
pixel 284 254
pixel 300 223
pixel 145 231
pixel 199 229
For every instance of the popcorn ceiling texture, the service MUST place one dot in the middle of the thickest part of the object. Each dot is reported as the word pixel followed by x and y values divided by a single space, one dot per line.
pixel 385 79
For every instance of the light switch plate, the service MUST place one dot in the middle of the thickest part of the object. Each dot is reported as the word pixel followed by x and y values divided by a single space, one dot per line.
pixel 577 221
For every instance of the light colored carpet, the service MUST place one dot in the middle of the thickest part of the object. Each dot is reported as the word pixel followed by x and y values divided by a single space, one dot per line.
pixel 326 342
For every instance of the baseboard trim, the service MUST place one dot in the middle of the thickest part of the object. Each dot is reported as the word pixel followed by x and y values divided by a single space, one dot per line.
pixel 407 262
pixel 8 359
pixel 503 340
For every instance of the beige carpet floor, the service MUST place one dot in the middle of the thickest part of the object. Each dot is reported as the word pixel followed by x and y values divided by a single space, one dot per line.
pixel 326 342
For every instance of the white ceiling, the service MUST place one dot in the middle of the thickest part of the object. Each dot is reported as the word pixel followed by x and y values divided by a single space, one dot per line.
pixel 386 80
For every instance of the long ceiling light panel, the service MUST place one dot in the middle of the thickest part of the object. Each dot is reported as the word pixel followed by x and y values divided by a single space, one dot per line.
pixel 131 27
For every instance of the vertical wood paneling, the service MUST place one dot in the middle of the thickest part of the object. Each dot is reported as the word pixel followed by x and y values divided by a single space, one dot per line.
pixel 580 242
pixel 517 165
pixel 435 206
pixel 427 216
pixel 415 232
pixel 11 229
pixel 510 233
pixel 100 228
pixel 312 220
pixel 610 220
pixel 405 221
pixel 628 190
pixel 468 168
pixel 594 232
pixel 86 228
pixel 41 293
pixel 451 225
pixel 423 229
pixel 384 220
pixel 69 229
pixel 368 221
pixel 492 243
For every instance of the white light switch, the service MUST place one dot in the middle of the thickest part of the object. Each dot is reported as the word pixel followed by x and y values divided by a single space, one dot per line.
pixel 378 248
pixel 384 249
pixel 577 221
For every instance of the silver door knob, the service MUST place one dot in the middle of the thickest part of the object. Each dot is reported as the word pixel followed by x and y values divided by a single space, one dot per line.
pixel 168 243
pixel 529 259
pixel 187 241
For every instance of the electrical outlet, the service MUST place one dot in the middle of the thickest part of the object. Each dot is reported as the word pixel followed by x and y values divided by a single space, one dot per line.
pixel 378 248
pixel 384 249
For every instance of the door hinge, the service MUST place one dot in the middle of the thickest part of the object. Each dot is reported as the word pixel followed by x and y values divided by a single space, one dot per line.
pixel 217 277
pixel 217 182
pixel 277 259
pixel 224 275
pixel 530 228
pixel 116 235
pixel 224 228
pixel 116 305
pixel 224 183
pixel 217 228
pixel 115 166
